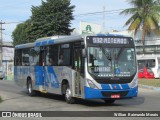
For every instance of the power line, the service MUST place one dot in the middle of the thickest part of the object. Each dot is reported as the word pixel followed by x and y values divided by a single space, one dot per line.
pixel 79 15
pixel 109 11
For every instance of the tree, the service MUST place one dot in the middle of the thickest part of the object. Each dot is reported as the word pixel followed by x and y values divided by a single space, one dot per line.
pixel 145 14
pixel 20 34
pixel 53 17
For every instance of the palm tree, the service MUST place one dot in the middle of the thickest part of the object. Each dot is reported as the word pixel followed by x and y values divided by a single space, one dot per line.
pixel 145 14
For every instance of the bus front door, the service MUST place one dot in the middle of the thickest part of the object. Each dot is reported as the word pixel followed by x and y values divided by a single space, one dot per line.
pixel 42 64
pixel 78 71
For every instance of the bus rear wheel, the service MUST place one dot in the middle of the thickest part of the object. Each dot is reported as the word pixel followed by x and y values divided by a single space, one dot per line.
pixel 69 99
pixel 30 90
pixel 109 101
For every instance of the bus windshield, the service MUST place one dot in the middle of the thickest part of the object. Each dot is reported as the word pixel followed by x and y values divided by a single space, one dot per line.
pixel 111 62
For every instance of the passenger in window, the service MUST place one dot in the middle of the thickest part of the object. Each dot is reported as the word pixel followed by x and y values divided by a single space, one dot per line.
pixel 50 61
pixel 60 61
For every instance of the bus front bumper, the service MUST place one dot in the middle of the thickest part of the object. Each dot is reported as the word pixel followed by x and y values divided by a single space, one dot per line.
pixel 91 93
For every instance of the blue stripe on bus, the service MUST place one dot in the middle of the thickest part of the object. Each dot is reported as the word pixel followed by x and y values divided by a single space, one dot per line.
pixel 38 44
pixel 50 77
pixel 105 86
pixel 115 86
pixel 125 86
pixel 15 73
pixel 51 42
pixel 44 43
pixel 90 93
pixel 47 42
pixel 38 71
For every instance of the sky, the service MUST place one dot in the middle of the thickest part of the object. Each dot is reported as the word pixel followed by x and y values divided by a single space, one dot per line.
pixel 13 12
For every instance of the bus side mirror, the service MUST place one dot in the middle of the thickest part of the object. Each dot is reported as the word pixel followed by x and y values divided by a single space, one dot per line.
pixel 84 53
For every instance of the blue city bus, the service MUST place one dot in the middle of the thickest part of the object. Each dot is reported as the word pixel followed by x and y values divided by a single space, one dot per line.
pixel 86 67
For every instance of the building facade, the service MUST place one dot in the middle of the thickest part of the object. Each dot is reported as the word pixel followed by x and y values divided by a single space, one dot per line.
pixel 152 43
pixel 8 60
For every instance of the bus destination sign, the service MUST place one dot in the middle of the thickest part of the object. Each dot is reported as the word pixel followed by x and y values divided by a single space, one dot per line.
pixel 101 40
pixel 108 40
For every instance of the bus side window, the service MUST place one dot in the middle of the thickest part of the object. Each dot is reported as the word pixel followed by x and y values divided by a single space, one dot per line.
pixel 42 56
pixel 64 57
pixel 18 57
pixel 25 57
pixel 34 56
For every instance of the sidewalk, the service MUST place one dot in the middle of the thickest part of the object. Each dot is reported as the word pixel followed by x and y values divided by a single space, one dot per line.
pixel 149 87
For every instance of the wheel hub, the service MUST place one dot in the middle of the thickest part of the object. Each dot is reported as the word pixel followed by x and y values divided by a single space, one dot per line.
pixel 29 88
pixel 68 93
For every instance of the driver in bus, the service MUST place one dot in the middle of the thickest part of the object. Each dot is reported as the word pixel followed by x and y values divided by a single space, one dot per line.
pixel 99 61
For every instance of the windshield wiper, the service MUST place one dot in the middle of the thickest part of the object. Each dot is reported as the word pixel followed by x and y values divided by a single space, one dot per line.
pixel 106 53
pixel 119 53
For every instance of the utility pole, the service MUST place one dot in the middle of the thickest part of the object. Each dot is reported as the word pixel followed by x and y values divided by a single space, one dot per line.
pixel 1 43
pixel 103 24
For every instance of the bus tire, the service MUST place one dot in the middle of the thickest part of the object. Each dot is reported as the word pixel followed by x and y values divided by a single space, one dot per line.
pixel 109 101
pixel 30 90
pixel 69 99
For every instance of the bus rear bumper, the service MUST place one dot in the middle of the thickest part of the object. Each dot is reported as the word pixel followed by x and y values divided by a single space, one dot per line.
pixel 91 93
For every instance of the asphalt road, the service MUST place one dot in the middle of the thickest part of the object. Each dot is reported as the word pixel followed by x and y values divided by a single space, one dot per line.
pixel 16 99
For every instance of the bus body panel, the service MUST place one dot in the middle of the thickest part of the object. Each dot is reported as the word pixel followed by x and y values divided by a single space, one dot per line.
pixel 53 77
pixel 127 90
pixel 115 86
pixel 20 75
pixel 33 72
pixel 50 80
pixel 100 94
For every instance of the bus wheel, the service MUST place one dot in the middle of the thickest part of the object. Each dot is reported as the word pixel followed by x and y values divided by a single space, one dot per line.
pixel 109 101
pixel 69 99
pixel 30 90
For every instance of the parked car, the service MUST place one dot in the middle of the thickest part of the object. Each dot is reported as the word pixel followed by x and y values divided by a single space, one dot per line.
pixel 145 73
pixel 2 75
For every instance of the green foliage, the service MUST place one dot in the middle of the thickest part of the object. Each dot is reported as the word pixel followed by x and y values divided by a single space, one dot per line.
pixel 150 82
pixel 145 14
pixel 53 17
pixel 20 34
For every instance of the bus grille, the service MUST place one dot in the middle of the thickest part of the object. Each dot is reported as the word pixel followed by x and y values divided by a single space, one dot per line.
pixel 108 94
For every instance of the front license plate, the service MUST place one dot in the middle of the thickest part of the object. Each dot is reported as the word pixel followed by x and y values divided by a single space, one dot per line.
pixel 115 96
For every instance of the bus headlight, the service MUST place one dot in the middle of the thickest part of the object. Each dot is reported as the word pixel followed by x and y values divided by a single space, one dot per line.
pixel 134 83
pixel 91 84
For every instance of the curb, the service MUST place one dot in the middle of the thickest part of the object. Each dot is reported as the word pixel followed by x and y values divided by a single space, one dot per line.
pixel 149 87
